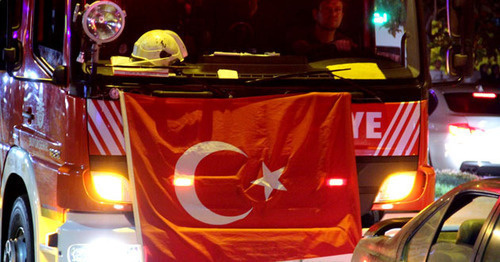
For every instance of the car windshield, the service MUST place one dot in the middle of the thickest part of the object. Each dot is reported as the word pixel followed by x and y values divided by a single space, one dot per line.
pixel 359 30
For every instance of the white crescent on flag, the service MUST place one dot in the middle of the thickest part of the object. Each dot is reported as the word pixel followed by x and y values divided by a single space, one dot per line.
pixel 186 167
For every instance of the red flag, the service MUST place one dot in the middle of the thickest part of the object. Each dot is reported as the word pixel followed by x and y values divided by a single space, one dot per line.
pixel 244 179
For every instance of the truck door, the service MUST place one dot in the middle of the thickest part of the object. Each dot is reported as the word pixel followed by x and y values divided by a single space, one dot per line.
pixel 43 104
pixel 10 90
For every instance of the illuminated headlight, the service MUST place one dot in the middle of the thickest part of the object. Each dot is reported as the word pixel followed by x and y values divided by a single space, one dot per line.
pixel 103 21
pixel 396 187
pixel 111 186
pixel 105 251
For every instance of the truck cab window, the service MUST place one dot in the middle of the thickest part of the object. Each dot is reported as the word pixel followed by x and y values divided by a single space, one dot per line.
pixel 49 31
pixel 10 13
pixel 3 30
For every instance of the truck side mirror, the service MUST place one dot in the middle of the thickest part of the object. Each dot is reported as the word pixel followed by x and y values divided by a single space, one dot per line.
pixel 13 56
pixel 380 228
pixel 460 57
pixel 9 54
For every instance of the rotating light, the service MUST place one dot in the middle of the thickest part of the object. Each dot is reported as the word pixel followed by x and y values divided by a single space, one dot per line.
pixel 103 21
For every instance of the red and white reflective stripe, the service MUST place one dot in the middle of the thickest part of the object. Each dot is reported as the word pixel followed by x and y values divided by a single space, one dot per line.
pixel 400 138
pixel 105 127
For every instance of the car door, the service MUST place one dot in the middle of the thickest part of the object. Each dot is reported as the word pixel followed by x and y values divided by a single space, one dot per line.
pixel 450 233
pixel 489 249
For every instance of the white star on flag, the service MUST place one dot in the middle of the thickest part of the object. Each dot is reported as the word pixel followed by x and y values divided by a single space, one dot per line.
pixel 270 180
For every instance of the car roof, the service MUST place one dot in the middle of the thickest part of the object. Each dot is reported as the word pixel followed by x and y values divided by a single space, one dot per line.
pixel 491 185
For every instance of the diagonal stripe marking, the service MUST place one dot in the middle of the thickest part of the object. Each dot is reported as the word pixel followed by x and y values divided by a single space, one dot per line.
pixel 96 141
pixel 110 118
pixel 408 130
pixel 397 131
pixel 409 151
pixel 117 113
pixel 102 130
pixel 389 129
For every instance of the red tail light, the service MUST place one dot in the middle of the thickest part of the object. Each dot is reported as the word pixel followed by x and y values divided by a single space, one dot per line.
pixel 335 182
pixel 183 181
pixel 462 129
pixel 484 95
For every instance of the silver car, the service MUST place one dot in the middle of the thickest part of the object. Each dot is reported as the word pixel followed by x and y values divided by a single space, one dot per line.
pixel 464 128
pixel 463 225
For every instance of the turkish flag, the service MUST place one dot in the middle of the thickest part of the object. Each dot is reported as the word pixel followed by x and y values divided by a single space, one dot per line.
pixel 244 179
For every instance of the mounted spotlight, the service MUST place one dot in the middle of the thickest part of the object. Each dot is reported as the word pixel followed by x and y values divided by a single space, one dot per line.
pixel 103 21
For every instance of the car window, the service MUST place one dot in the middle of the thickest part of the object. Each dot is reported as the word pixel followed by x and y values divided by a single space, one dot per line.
pixel 492 252
pixel 450 233
pixel 458 233
pixel 416 249
pixel 467 103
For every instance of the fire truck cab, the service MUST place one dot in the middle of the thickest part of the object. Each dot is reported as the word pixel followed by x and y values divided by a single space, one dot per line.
pixel 65 65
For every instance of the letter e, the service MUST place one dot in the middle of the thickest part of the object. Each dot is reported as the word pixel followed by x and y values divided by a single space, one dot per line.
pixel 371 124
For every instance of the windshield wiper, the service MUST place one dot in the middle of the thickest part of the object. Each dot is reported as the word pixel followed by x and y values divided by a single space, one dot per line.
pixel 151 66
pixel 305 73
pixel 176 68
pixel 330 73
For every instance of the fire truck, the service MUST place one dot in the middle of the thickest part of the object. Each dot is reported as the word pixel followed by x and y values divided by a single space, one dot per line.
pixel 210 130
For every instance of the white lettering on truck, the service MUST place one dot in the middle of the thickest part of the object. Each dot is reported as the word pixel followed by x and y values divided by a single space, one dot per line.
pixel 372 123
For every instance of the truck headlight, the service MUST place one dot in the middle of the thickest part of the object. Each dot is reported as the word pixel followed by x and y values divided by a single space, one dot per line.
pixel 111 187
pixel 105 250
pixel 396 187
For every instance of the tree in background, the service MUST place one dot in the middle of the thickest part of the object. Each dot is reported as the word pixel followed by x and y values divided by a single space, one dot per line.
pixel 487 40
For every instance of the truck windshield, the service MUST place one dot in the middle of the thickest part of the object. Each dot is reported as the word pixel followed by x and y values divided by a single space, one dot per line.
pixel 320 32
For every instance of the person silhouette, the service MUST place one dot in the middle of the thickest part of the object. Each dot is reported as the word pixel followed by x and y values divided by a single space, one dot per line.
pixel 324 39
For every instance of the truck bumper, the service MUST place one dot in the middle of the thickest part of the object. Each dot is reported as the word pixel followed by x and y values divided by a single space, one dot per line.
pixel 98 237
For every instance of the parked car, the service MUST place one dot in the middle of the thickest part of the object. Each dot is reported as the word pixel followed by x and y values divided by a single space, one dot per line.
pixel 464 128
pixel 463 225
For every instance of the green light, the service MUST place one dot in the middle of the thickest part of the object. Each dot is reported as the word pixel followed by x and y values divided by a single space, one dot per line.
pixel 379 19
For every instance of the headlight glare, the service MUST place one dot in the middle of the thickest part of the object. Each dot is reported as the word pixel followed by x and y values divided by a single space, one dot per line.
pixel 111 186
pixel 396 187
pixel 105 251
